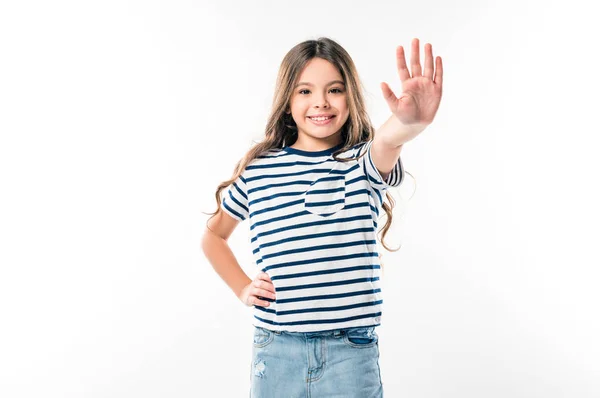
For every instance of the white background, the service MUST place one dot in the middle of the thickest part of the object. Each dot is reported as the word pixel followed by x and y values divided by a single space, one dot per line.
pixel 118 119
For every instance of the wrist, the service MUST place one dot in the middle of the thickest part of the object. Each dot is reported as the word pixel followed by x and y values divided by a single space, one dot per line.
pixel 394 133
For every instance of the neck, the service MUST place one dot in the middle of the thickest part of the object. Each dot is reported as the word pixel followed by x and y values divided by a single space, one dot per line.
pixel 312 144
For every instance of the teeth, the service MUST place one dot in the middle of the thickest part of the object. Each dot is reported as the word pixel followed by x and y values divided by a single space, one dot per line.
pixel 320 119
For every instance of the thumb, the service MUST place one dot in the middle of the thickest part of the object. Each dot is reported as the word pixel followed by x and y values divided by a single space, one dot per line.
pixel 388 94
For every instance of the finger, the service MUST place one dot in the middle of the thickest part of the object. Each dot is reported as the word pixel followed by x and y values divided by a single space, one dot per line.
pixel 264 276
pixel 264 285
pixel 388 94
pixel 415 60
pixel 428 72
pixel 401 63
pixel 264 293
pixel 439 71
pixel 256 301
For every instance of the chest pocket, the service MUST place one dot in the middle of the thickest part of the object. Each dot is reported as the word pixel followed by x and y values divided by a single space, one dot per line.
pixel 326 196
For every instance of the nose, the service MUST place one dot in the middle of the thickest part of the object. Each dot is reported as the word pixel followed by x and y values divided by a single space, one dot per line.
pixel 322 103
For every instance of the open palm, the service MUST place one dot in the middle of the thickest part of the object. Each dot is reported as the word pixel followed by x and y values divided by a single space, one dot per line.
pixel 421 93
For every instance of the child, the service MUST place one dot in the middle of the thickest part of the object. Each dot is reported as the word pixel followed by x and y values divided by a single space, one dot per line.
pixel 313 190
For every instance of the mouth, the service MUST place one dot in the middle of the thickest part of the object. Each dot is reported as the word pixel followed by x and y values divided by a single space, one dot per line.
pixel 321 120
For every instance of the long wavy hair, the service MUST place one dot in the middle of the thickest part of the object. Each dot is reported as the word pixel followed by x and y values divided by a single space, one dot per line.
pixel 281 129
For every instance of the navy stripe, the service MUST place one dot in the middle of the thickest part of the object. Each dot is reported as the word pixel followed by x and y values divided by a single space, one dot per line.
pixel 380 203
pixel 332 178
pixel 310 224
pixel 373 168
pixel 264 222
pixel 357 179
pixel 326 296
pixel 252 202
pixel 311 236
pixel 321 309
pixel 320 191
pixel 329 203
pixel 283 206
pixel 237 202
pixel 357 192
pixel 274 165
pixel 260 177
pixel 315 248
pixel 391 178
pixel 326 271
pixel 240 191
pixel 305 212
pixel 296 182
pixel 299 173
pixel 231 210
pixel 283 184
pixel 326 284
pixel 322 259
pixel 320 321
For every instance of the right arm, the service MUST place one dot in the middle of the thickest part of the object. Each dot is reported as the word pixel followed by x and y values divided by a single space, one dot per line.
pixel 222 259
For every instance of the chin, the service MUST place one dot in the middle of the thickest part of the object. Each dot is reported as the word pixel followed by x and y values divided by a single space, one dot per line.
pixel 322 133
pixel 322 136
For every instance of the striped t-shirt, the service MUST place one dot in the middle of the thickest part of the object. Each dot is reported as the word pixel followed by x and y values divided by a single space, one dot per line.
pixel 313 224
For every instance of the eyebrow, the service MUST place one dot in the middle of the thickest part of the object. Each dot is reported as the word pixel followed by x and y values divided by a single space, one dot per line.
pixel 310 84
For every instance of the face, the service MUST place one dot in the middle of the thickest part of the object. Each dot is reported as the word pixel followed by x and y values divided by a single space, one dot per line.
pixel 320 91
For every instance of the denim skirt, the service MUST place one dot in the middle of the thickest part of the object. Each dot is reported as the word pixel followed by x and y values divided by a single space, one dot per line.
pixel 341 363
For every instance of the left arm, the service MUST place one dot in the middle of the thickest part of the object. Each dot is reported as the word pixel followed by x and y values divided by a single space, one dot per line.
pixel 412 112
pixel 388 142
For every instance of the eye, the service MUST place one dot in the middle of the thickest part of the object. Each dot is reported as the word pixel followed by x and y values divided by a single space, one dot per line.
pixel 338 90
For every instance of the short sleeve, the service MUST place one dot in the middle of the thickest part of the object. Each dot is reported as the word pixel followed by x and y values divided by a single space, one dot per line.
pixel 235 199
pixel 395 177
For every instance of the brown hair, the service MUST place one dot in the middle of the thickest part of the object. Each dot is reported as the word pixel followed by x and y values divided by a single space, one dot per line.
pixel 281 129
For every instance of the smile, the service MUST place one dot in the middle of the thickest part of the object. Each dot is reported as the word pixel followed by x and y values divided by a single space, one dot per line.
pixel 321 120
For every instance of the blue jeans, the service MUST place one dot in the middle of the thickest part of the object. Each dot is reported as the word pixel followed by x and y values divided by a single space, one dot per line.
pixel 340 363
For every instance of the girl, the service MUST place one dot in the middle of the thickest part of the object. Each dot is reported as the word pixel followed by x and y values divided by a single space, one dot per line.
pixel 313 190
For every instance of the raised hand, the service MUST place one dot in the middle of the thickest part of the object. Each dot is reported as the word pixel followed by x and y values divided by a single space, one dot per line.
pixel 421 92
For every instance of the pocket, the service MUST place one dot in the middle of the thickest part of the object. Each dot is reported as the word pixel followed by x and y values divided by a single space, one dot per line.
pixel 326 196
pixel 262 336
pixel 361 337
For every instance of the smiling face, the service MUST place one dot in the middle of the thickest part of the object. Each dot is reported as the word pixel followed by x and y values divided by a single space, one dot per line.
pixel 320 90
